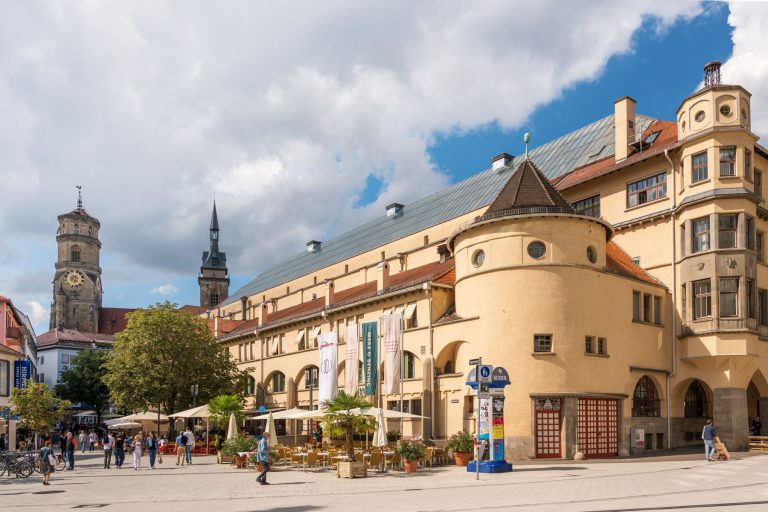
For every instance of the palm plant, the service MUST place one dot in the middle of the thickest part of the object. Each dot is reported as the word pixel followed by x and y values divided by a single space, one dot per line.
pixel 345 415
pixel 221 407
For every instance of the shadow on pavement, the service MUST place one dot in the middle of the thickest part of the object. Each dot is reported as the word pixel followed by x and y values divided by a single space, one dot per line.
pixel 518 469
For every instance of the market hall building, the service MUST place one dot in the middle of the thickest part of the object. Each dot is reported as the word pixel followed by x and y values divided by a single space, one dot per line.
pixel 617 272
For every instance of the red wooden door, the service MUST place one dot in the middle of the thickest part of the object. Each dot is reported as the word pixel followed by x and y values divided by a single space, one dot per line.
pixel 598 425
pixel 548 428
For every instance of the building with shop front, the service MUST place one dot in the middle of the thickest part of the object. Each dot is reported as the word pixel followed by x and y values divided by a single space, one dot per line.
pixel 617 272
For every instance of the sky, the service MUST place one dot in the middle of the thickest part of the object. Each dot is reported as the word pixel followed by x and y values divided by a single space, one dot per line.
pixel 305 118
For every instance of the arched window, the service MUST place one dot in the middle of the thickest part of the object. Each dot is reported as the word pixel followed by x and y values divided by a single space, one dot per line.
pixel 214 298
pixel 90 230
pixel 311 377
pixel 645 401
pixel 76 254
pixel 448 367
pixel 77 229
pixel 278 382
pixel 250 385
pixel 696 405
pixel 409 365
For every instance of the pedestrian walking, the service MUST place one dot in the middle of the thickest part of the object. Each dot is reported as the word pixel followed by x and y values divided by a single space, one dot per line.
pixel 81 440
pixel 119 450
pixel 47 461
pixel 151 445
pixel 109 444
pixel 63 445
pixel 71 443
pixel 190 445
pixel 137 452
pixel 91 440
pixel 3 446
pixel 163 445
pixel 757 426
pixel 708 435
pixel 181 449
pixel 262 457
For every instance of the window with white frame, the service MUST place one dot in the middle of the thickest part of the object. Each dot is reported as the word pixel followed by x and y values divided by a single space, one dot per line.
pixel 700 235
pixel 5 378
pixel 702 299
pixel 700 170
pixel 727 231
pixel 589 206
pixel 647 190
pixel 728 161
pixel 729 291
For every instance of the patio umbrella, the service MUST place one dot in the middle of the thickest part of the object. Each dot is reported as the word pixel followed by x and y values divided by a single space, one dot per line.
pixel 380 436
pixel 281 415
pixel 124 424
pixel 144 416
pixel 196 412
pixel 232 430
pixel 271 426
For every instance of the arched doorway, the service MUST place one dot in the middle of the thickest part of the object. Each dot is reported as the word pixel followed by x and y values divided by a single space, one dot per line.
pixel 757 404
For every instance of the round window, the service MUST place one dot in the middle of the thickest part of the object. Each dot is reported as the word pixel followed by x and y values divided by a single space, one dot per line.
pixel 725 110
pixel 591 254
pixel 536 250
pixel 700 115
pixel 478 258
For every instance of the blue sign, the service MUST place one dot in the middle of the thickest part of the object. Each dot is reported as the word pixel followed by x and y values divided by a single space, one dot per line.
pixel 22 370
pixel 262 409
pixel 485 373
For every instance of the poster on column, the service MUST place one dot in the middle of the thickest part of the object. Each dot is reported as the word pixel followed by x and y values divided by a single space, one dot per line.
pixel 391 330
pixel 351 358
pixel 483 419
pixel 497 428
pixel 370 335
pixel 328 361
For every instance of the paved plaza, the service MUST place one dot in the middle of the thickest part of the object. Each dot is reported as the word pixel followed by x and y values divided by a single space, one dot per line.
pixel 682 482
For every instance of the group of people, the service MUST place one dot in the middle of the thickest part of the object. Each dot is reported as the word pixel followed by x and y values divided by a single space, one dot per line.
pixel 87 439
pixel 117 446
pixel 185 445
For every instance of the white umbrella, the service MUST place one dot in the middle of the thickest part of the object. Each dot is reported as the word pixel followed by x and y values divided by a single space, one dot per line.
pixel 196 412
pixel 232 430
pixel 380 436
pixel 271 426
pixel 85 413
pixel 124 424
pixel 282 415
pixel 144 416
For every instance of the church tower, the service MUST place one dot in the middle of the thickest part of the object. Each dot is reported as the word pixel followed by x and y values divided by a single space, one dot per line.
pixel 213 278
pixel 77 282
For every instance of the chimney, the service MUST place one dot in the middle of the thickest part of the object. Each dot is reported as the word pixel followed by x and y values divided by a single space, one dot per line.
pixel 501 161
pixel 329 295
pixel 444 252
pixel 624 123
pixel 382 276
pixel 394 209
pixel 244 302
pixel 313 246
pixel 216 327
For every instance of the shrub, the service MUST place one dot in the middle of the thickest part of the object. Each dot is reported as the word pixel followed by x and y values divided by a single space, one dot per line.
pixel 237 444
pixel 461 442
pixel 410 450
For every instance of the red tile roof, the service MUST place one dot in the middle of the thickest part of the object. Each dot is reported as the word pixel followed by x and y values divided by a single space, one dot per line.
pixel 618 262
pixel 113 320
pixel 195 310
pixel 9 350
pixel 422 274
pixel 304 308
pixel 243 328
pixel 527 188
pixel 71 336
pixel 356 292
pixel 665 140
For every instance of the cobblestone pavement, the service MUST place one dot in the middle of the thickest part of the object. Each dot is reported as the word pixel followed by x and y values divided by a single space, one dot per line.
pixel 668 483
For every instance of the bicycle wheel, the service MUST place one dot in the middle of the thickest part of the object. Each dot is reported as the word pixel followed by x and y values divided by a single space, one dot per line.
pixel 4 468
pixel 61 464
pixel 24 469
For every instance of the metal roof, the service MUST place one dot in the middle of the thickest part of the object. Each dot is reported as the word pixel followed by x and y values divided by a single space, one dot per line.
pixel 555 158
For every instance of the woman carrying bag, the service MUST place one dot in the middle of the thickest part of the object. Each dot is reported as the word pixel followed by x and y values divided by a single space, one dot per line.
pixel 47 461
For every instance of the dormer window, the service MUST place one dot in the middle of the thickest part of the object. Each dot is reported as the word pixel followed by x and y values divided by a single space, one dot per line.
pixel 313 246
pixel 394 209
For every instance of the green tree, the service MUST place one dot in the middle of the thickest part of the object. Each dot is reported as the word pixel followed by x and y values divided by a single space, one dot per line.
pixel 84 381
pixel 38 407
pixel 344 415
pixel 161 354
pixel 223 406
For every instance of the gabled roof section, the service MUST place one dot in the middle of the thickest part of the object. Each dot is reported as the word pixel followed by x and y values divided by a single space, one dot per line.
pixel 618 262
pixel 528 189
pixel 193 310
pixel 113 320
pixel 578 148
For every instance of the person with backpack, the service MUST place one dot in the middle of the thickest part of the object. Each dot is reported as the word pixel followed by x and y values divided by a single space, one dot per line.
pixel 151 445
pixel 190 444
pixel 119 450
pixel 181 448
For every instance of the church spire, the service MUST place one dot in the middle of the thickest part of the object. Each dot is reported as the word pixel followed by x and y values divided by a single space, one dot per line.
pixel 214 223
pixel 213 278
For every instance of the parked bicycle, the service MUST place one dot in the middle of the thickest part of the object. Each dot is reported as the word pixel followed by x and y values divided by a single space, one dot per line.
pixel 17 463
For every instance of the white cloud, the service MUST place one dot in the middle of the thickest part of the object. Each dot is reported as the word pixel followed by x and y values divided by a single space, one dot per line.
pixel 37 313
pixel 284 108
pixel 748 65
pixel 164 289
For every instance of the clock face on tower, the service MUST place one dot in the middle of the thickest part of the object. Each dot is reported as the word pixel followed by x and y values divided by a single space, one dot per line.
pixel 74 278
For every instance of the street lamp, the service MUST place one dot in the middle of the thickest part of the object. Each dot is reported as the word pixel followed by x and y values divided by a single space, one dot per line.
pixel 194 389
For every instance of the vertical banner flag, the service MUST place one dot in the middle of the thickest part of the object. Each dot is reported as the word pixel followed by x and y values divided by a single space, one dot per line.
pixel 351 358
pixel 328 362
pixel 370 334
pixel 391 334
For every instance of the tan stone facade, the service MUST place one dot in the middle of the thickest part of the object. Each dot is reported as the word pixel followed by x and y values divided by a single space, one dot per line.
pixel 643 307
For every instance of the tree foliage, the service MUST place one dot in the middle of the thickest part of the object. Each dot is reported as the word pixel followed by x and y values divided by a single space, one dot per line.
pixel 161 354
pixel 83 381
pixel 37 406
pixel 343 416
pixel 223 406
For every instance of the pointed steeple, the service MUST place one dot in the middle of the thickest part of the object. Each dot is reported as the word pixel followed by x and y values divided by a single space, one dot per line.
pixel 213 278
pixel 529 190
pixel 214 219
pixel 213 258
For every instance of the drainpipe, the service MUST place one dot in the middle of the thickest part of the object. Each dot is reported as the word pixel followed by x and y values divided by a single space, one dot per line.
pixel 673 322
pixel 432 378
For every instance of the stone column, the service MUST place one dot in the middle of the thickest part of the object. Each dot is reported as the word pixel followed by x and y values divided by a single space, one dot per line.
pixel 741 231
pixel 568 418
pixel 763 406
pixel 427 397
pixel 714 238
pixel 730 416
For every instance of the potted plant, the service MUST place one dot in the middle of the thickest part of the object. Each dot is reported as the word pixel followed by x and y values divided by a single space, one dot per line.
pixel 393 435
pixel 461 444
pixel 411 451
pixel 235 445
pixel 345 414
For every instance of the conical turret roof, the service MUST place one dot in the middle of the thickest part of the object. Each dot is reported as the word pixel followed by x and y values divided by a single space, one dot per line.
pixel 214 218
pixel 529 189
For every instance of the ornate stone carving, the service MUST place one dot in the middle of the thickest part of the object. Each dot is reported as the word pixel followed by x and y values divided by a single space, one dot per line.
pixel 700 266
pixel 730 262
pixel 551 404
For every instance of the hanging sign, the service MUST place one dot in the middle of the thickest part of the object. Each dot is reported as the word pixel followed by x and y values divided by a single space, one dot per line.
pixel 328 363
pixel 351 358
pixel 391 329
pixel 22 370
pixel 370 336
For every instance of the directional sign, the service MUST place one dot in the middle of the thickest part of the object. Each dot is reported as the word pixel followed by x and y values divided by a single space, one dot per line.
pixel 476 361
pixel 484 395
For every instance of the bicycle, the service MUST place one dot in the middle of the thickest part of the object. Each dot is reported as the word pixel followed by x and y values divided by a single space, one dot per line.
pixel 16 463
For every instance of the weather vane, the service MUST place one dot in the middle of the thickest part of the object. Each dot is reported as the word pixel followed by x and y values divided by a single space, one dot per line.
pixel 526 138
pixel 79 195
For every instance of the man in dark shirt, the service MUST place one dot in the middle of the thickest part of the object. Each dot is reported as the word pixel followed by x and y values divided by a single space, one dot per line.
pixel 708 435
pixel 70 451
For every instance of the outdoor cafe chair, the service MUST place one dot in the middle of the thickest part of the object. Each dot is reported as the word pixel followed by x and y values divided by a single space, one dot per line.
pixel 359 457
pixel 428 454
pixel 311 460
pixel 375 461
pixel 297 459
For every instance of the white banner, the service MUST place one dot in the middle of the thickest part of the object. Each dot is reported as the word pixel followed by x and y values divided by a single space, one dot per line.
pixel 328 377
pixel 391 332
pixel 351 360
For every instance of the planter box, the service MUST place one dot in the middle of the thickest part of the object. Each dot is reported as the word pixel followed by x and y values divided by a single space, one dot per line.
pixel 351 469
pixel 224 459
